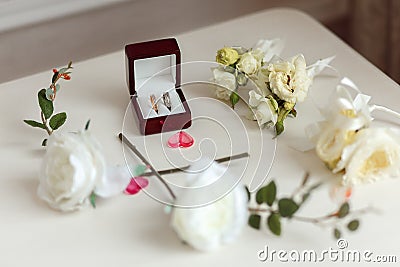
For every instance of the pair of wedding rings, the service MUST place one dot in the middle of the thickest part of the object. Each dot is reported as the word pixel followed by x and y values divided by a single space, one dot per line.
pixel 166 100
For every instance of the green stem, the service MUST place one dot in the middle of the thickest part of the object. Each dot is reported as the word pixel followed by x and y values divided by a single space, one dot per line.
pixel 44 121
pixel 302 185
pixel 283 114
pixel 257 210
pixel 279 126
pixel 314 220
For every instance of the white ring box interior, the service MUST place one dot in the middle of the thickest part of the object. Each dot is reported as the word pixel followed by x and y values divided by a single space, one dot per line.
pixel 156 76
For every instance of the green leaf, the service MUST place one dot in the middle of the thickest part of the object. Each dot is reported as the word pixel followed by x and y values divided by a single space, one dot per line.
pixel 248 193
pixel 344 210
pixel 267 194
pixel 234 98
pixel 139 170
pixel 58 120
pixel 287 207
pixel 293 112
pixel 254 221
pixel 44 142
pixel 274 223
pixel 35 124
pixel 92 199
pixel 279 127
pixel 336 233
pixel 353 225
pixel 62 70
pixel 87 125
pixel 45 105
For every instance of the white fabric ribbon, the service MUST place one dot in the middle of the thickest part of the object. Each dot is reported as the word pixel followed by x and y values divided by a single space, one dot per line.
pixel 270 48
pixel 359 104
pixel 316 68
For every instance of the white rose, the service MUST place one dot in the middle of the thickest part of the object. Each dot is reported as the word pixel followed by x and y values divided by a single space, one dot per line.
pixel 344 117
pixel 331 143
pixel 250 62
pixel 374 155
pixel 264 109
pixel 74 167
pixel 220 222
pixel 289 79
pixel 227 83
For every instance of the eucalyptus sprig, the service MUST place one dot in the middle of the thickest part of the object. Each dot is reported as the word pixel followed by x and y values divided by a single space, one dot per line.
pixel 275 209
pixel 46 98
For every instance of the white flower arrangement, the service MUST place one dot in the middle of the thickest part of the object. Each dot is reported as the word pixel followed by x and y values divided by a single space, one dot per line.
pixel 347 143
pixel 74 171
pixel 281 83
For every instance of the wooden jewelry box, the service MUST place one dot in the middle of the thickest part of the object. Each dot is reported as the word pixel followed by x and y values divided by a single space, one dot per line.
pixel 153 69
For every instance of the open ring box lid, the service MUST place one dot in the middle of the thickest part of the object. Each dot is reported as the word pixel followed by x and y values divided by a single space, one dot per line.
pixel 153 68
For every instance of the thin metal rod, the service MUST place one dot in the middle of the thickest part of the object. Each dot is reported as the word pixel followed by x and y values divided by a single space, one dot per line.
pixel 144 160
pixel 221 160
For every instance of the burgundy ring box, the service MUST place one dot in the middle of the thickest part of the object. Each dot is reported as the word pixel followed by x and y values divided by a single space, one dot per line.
pixel 153 68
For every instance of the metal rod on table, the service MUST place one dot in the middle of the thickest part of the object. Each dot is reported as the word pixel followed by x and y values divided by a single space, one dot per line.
pixel 144 160
pixel 221 160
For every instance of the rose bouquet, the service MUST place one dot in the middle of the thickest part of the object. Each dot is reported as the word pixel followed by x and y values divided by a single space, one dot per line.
pixel 280 84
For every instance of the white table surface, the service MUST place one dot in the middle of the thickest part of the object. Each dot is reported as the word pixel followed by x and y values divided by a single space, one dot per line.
pixel 134 230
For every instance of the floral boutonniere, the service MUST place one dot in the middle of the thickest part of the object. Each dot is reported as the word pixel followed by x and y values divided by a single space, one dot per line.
pixel 348 144
pixel 280 84
pixel 74 170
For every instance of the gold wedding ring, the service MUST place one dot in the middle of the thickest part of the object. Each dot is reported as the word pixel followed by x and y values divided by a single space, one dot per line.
pixel 154 103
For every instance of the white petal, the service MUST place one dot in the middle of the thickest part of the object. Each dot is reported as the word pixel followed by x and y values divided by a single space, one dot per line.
pixel 114 182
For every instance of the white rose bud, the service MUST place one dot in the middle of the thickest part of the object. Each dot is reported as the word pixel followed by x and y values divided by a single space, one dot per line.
pixel 227 83
pixel 263 108
pixel 249 63
pixel 241 79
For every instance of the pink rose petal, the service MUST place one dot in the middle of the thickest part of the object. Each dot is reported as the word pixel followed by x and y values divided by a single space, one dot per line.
pixel 180 139
pixel 136 184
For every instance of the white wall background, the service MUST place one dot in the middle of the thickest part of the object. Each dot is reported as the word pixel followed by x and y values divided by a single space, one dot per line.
pixel 17 13
pixel 36 35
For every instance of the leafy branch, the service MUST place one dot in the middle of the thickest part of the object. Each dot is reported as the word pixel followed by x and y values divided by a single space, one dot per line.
pixel 46 98
pixel 275 209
